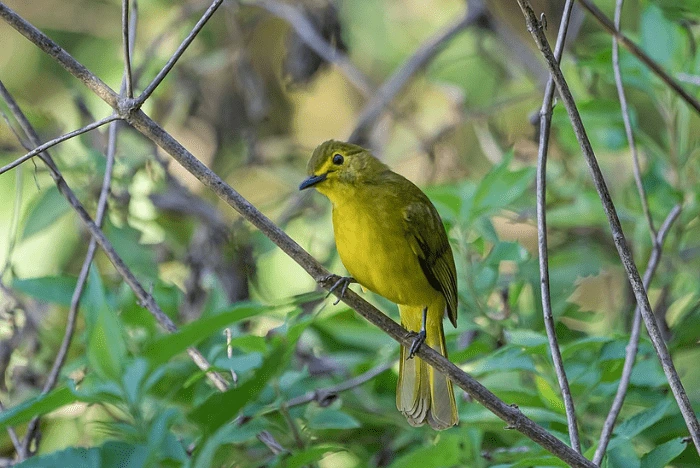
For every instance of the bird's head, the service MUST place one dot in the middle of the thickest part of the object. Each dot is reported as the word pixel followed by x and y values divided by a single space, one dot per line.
pixel 339 166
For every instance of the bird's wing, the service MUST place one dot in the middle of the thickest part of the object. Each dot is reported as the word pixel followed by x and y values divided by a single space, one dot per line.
pixel 428 240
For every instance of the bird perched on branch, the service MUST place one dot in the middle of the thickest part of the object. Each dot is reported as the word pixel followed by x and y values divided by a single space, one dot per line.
pixel 392 242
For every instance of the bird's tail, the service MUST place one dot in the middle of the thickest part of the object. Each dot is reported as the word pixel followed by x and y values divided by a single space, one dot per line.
pixel 424 394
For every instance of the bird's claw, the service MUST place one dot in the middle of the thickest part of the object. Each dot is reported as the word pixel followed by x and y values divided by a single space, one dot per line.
pixel 417 342
pixel 345 282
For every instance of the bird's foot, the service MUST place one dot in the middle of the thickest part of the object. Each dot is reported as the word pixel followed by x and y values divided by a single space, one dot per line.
pixel 343 282
pixel 417 342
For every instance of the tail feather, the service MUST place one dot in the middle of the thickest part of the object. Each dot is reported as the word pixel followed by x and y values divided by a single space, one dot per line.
pixel 424 394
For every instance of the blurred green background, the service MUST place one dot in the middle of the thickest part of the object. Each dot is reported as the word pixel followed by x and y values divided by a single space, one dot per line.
pixel 251 100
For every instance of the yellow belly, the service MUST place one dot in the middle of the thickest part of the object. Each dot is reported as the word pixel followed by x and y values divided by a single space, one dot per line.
pixel 376 253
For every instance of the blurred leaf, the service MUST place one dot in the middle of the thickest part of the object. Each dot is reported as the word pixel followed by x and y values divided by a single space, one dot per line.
pixel 36 406
pixel 664 454
pixel 53 289
pixel 46 209
pixel 164 348
pixel 640 421
pixel 328 418
pixel 310 455
pixel 444 453
pixel 501 187
pixel 222 407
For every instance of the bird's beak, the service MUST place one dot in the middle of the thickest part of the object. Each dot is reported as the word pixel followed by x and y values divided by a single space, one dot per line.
pixel 312 180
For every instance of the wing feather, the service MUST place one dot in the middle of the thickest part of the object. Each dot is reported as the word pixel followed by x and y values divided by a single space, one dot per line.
pixel 428 240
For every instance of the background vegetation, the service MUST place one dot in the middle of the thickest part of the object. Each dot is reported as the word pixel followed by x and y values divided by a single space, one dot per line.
pixel 251 100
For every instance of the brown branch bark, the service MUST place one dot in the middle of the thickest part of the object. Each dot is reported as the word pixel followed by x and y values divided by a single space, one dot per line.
pixel 545 125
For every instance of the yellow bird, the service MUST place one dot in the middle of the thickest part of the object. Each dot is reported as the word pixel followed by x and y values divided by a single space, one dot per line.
pixel 392 242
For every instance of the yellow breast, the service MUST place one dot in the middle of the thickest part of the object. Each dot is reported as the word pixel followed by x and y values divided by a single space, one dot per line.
pixel 372 244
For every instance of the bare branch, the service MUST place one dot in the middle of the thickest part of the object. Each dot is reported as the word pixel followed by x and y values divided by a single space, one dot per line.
pixel 145 299
pixel 74 67
pixel 545 125
pixel 307 32
pixel 126 44
pixel 55 141
pixel 13 435
pixel 178 53
pixel 623 250
pixel 326 395
pixel 640 54
pixel 633 345
pixel 391 87
pixel 628 123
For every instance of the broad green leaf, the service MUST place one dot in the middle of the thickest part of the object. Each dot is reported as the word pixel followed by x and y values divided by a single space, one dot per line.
pixel 501 187
pixel 106 350
pixel 47 208
pixel 227 434
pixel 640 421
pixel 308 456
pixel 164 348
pixel 328 418
pixel 444 453
pixel 222 407
pixel 53 289
pixel 664 454
pixel 75 457
pixel 36 406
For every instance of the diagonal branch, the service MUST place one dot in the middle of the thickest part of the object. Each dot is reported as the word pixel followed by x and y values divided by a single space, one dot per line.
pixel 178 53
pixel 325 396
pixel 307 32
pixel 418 60
pixel 628 123
pixel 55 141
pixel 640 54
pixel 545 125
pixel 633 345
pixel 535 28
pixel 145 299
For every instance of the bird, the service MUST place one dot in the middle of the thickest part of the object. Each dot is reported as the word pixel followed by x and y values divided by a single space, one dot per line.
pixel 392 242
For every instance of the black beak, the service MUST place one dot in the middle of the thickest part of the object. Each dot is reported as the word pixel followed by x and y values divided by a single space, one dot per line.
pixel 313 180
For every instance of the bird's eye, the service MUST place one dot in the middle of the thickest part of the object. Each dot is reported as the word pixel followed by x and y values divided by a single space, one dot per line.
pixel 338 159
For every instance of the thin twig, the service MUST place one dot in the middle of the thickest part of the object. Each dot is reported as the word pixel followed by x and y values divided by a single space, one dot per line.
pixel 510 414
pixel 62 353
pixel 391 87
pixel 307 32
pixel 323 395
pixel 545 125
pixel 178 53
pixel 145 299
pixel 13 434
pixel 633 345
pixel 55 141
pixel 628 123
pixel 640 54
pixel 126 44
pixel 623 249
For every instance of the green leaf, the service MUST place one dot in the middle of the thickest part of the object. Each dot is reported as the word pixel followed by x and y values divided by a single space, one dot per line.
pixel 310 455
pixel 106 349
pixel 164 348
pixel 36 406
pixel 664 454
pixel 75 457
pixel 444 453
pixel 53 289
pixel 640 421
pixel 227 434
pixel 222 407
pixel 47 208
pixel 501 187
pixel 328 418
